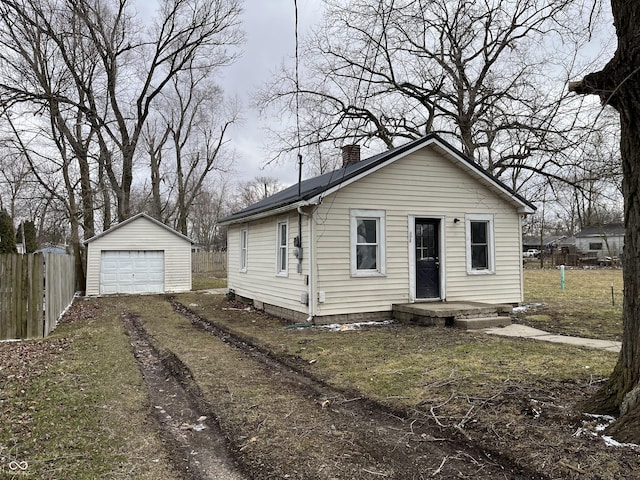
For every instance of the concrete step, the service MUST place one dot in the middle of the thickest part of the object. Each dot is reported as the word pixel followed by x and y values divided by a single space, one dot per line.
pixel 481 322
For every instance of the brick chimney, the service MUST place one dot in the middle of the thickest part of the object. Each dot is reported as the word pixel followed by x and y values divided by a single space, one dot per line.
pixel 350 154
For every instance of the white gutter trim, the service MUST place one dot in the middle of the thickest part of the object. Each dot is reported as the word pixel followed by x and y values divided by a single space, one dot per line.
pixel 482 178
pixel 268 213
pixel 488 180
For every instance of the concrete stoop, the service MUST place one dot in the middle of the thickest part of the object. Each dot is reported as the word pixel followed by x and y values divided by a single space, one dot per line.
pixel 483 322
pixel 464 315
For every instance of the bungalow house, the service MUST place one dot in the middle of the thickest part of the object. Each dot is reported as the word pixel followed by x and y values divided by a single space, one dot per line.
pixel 601 241
pixel 418 223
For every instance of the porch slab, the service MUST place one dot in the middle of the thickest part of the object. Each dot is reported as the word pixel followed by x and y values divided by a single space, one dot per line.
pixel 467 315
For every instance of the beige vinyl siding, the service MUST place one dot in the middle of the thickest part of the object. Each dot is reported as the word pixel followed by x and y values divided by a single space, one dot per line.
pixel 261 281
pixel 143 234
pixel 423 184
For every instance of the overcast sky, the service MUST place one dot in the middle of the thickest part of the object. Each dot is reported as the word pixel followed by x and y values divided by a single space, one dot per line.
pixel 269 27
pixel 270 40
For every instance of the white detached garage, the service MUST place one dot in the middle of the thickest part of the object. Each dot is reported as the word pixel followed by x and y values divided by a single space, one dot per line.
pixel 139 255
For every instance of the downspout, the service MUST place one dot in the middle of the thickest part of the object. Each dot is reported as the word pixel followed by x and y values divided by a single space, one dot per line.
pixel 310 257
pixel 521 261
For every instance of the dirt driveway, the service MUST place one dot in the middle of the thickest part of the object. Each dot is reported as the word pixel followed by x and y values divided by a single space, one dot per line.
pixel 212 389
pixel 293 426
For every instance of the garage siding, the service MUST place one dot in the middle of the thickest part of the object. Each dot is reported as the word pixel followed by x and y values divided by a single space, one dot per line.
pixel 143 234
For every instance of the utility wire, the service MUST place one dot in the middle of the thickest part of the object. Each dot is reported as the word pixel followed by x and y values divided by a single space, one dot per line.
pixel 297 74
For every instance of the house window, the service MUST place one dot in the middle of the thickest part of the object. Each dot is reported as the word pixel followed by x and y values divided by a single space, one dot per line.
pixel 595 246
pixel 480 246
pixel 282 252
pixel 367 242
pixel 244 248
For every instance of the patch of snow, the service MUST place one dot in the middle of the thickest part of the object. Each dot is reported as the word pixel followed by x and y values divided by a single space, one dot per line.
pixel 248 309
pixel 526 306
pixel 343 327
pixel 610 442
pixel 596 426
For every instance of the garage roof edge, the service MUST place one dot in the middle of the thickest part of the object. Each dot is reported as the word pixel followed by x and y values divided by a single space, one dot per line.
pixel 131 219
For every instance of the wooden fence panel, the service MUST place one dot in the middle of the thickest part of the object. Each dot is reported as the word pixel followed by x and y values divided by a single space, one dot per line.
pixel 21 294
pixel 209 262
pixel 7 325
pixel 30 304
pixel 60 283
pixel 33 296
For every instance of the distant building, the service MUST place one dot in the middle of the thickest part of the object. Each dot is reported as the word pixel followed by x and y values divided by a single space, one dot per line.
pixel 601 240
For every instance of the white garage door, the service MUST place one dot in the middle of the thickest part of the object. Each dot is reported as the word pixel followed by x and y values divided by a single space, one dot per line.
pixel 132 271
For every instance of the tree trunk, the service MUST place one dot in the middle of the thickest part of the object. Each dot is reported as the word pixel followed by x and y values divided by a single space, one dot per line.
pixel 86 194
pixel 618 85
pixel 106 198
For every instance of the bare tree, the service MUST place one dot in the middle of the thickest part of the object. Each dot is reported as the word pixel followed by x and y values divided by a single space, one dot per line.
pixel 209 207
pixel 477 72
pixel 132 64
pixel 618 86
pixel 32 61
pixel 15 182
pixel 188 144
pixel 252 191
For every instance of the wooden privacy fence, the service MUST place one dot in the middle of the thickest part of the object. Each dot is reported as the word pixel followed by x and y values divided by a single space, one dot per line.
pixel 209 262
pixel 34 291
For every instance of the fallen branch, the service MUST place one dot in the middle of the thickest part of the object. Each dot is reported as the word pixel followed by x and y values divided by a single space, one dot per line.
pixel 375 473
pixel 439 469
pixel 571 467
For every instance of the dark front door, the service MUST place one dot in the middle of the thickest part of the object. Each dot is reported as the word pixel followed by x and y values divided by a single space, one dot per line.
pixel 427 258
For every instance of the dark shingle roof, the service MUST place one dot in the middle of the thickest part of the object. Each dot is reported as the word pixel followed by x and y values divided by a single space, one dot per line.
pixel 602 230
pixel 315 186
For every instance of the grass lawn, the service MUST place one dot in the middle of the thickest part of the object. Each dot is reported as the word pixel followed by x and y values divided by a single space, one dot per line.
pixel 584 308
pixel 408 365
pixel 74 405
pixel 205 281
pixel 494 387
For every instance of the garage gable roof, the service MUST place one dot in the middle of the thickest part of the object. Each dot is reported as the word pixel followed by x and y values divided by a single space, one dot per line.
pixel 312 190
pixel 133 219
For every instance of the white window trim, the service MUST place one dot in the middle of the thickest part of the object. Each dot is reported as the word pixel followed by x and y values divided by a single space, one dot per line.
pixel 378 215
pixel 279 272
pixel 480 217
pixel 244 249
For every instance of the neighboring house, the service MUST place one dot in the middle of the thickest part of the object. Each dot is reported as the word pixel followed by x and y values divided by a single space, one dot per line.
pixel 547 243
pixel 139 255
pixel 601 240
pixel 52 249
pixel 421 222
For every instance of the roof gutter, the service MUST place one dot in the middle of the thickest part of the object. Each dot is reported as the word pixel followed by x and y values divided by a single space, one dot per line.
pixel 268 213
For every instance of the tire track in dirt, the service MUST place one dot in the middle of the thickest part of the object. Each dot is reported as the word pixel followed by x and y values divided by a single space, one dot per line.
pixel 410 445
pixel 194 441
